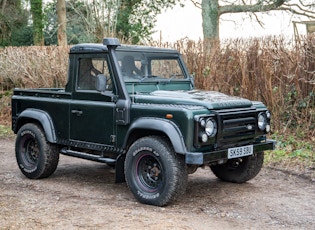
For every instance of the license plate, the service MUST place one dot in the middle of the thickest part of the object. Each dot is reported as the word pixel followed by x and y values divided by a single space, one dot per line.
pixel 240 151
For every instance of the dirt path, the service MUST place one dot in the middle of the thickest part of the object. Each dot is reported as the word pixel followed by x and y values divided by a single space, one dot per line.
pixel 83 195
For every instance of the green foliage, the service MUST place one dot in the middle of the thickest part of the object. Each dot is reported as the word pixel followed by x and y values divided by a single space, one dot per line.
pixel 123 27
pixel 14 29
pixel 5 132
pixel 292 154
pixel 50 23
pixel 22 36
pixel 136 18
pixel 6 94
pixel 293 145
pixel 87 21
pixel 299 110
pixel 38 23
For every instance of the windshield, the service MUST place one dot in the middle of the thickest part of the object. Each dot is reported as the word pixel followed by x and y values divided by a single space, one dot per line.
pixel 150 66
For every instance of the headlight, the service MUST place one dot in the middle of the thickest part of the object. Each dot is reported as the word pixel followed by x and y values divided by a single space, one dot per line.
pixel 206 128
pixel 262 121
pixel 211 127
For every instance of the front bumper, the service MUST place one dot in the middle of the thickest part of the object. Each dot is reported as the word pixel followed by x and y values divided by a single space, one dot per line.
pixel 200 158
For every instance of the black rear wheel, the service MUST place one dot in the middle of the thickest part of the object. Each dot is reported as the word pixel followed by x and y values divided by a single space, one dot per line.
pixel 154 173
pixel 35 157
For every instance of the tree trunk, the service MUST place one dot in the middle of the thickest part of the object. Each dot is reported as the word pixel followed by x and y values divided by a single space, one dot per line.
pixel 37 14
pixel 210 25
pixel 62 22
pixel 211 12
pixel 210 19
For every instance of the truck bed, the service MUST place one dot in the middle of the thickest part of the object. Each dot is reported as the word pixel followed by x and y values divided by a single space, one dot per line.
pixel 43 92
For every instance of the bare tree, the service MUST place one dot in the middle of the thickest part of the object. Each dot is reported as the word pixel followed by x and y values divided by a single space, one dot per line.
pixel 62 22
pixel 213 9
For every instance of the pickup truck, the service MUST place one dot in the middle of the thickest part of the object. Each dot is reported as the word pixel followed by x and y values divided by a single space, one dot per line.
pixel 135 108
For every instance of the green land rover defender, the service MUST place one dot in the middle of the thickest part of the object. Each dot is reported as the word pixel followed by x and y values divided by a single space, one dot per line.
pixel 135 108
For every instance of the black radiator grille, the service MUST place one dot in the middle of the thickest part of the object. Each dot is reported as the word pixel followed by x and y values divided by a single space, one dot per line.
pixel 236 128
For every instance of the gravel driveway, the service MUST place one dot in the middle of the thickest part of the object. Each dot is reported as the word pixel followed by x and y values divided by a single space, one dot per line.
pixel 83 195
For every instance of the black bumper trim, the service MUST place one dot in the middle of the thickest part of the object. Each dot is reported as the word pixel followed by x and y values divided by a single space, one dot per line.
pixel 200 158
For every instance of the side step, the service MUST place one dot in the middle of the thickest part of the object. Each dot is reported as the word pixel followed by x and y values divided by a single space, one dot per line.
pixel 119 163
pixel 88 156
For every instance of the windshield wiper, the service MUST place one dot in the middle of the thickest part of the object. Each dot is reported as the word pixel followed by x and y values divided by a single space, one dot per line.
pixel 174 75
pixel 148 77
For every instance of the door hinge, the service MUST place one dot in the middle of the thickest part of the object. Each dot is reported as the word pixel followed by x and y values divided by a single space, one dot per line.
pixel 112 138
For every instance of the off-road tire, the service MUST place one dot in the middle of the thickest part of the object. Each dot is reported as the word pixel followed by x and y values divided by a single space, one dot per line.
pixel 239 170
pixel 35 157
pixel 154 173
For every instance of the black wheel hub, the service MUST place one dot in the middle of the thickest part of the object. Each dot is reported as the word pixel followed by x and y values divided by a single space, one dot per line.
pixel 30 152
pixel 149 172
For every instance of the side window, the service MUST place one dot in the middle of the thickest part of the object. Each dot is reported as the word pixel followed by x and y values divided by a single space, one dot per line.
pixel 89 68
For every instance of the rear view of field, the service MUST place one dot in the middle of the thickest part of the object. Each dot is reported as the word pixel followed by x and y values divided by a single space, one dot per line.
pixel 83 195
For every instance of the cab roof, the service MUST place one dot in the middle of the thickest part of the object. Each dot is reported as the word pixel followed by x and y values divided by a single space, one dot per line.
pixel 99 48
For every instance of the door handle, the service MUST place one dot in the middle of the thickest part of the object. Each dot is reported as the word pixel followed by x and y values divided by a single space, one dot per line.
pixel 76 112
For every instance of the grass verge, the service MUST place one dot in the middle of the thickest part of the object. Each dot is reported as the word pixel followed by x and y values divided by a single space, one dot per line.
pixel 6 132
pixel 294 156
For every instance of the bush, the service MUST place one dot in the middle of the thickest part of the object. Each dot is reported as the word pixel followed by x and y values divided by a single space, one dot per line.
pixel 33 66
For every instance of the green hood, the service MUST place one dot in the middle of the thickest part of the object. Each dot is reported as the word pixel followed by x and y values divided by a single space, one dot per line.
pixel 207 99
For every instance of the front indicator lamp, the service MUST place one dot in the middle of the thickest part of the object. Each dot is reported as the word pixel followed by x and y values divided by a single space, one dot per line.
pixel 203 137
pixel 267 128
pixel 268 114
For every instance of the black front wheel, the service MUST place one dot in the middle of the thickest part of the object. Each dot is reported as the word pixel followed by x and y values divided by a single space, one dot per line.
pixel 35 157
pixel 154 173
pixel 239 170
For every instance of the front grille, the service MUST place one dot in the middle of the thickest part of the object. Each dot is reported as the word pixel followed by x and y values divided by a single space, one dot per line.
pixel 236 128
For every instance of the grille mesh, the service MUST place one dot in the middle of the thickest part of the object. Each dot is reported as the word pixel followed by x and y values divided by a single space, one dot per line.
pixel 236 128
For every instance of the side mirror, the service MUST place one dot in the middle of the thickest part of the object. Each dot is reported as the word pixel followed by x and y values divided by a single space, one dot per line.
pixel 192 80
pixel 101 82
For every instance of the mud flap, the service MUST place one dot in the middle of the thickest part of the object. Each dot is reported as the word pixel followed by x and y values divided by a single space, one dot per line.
pixel 119 169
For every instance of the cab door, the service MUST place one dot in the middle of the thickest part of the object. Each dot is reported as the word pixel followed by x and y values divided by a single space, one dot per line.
pixel 91 112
